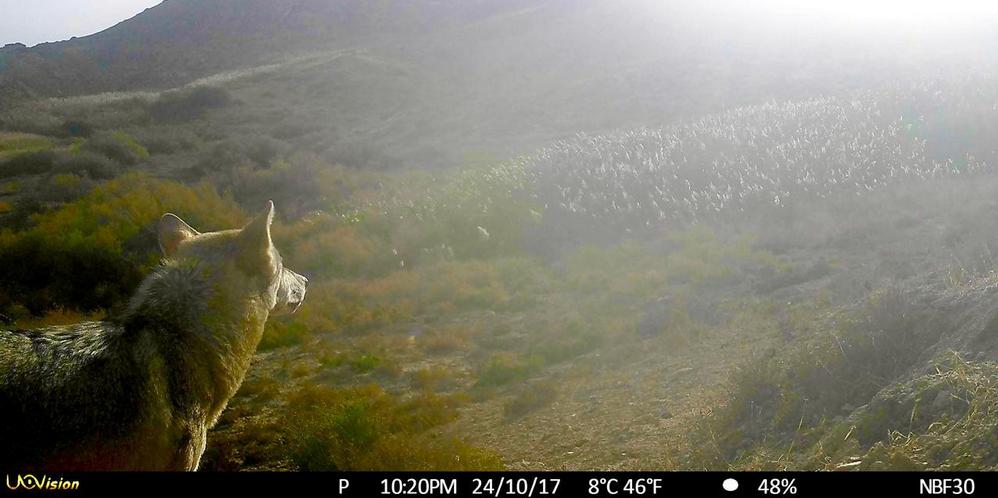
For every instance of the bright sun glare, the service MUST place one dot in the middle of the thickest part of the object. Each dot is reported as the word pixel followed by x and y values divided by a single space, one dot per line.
pixel 878 15
pixel 928 14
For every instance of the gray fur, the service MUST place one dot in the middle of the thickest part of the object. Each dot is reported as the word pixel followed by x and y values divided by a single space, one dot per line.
pixel 141 391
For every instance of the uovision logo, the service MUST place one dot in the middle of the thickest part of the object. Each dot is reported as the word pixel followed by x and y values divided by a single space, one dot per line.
pixel 30 482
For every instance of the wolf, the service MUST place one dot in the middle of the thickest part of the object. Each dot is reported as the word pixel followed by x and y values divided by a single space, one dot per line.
pixel 140 391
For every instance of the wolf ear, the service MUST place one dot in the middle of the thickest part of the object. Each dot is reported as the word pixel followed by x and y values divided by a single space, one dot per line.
pixel 257 246
pixel 172 231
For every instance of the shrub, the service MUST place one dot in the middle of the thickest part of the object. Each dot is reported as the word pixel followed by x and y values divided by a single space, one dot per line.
pixel 64 187
pixel 445 340
pixel 118 146
pixel 23 143
pixel 356 155
pixel 503 369
pixel 328 247
pixel 563 341
pixel 188 103
pixel 366 428
pixel 91 253
pixel 30 163
pixel 460 285
pixel 90 164
pixel 246 162
pixel 28 120
pixel 289 130
pixel 365 363
pixel 167 139
pixel 532 397
pixel 432 378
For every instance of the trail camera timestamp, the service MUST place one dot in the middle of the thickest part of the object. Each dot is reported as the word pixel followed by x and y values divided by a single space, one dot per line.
pixel 523 486
pixel 496 487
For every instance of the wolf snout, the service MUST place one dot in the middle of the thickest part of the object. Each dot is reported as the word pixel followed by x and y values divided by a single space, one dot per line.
pixel 298 293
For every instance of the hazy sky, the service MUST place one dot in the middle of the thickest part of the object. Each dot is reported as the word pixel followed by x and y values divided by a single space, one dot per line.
pixel 36 21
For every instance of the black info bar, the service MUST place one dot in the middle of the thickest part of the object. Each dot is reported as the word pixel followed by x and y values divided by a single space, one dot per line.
pixel 506 484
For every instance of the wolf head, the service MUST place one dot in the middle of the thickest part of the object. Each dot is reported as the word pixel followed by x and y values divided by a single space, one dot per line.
pixel 245 257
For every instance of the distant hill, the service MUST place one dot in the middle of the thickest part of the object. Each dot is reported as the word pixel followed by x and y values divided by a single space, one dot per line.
pixel 432 81
pixel 180 40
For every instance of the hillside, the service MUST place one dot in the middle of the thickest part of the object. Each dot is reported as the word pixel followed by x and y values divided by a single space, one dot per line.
pixel 182 40
pixel 536 313
pixel 428 83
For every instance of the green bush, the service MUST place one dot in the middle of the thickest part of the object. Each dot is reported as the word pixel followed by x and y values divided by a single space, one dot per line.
pixel 365 363
pixel 118 146
pixel 91 253
pixel 167 139
pixel 366 428
pixel 90 164
pixel 60 188
pixel 31 163
pixel 189 103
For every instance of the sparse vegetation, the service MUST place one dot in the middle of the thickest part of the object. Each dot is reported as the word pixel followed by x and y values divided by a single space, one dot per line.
pixel 843 396
pixel 503 369
pixel 366 429
pixel 532 397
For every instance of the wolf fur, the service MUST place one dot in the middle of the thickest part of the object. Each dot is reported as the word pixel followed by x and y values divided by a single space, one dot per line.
pixel 141 391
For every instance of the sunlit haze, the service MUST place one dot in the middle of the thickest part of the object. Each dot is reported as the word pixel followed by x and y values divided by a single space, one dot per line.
pixel 881 16
pixel 894 14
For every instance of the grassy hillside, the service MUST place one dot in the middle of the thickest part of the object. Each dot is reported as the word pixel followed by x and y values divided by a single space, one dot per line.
pixel 425 84
pixel 809 288
pixel 178 41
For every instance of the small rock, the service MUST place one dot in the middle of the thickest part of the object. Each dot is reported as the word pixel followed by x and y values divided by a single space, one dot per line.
pixel 666 413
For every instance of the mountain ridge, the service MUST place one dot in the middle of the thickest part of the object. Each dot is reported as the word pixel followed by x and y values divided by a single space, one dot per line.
pixel 178 41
